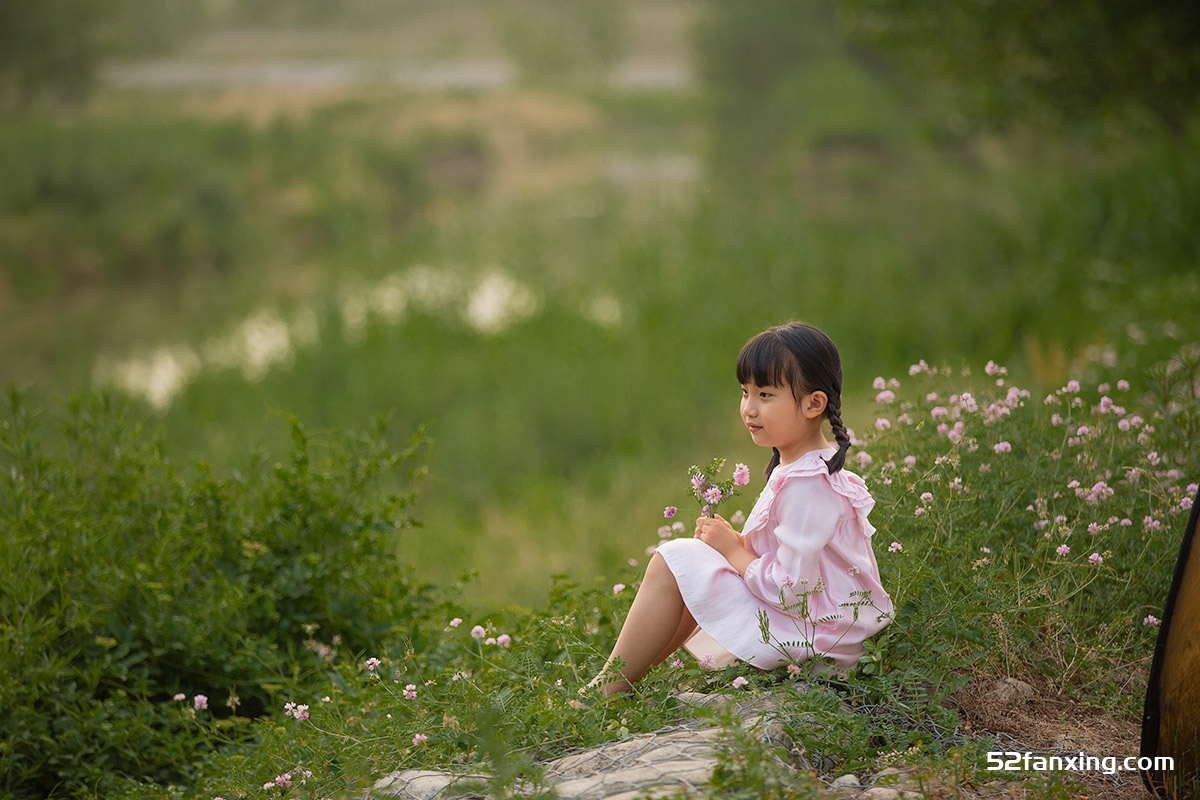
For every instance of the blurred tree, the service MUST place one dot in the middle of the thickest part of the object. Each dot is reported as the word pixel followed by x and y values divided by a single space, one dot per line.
pixel 48 48
pixel 1062 60
pixel 51 50
pixel 749 55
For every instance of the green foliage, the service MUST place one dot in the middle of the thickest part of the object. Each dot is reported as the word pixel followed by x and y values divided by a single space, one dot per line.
pixel 125 202
pixel 48 48
pixel 1028 534
pixel 489 697
pixel 1070 61
pixel 1017 534
pixel 51 51
pixel 129 579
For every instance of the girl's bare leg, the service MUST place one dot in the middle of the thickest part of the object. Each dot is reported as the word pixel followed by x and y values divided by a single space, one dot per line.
pixel 656 620
pixel 687 626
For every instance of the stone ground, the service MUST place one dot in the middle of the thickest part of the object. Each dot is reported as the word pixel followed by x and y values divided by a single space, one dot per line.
pixel 1023 716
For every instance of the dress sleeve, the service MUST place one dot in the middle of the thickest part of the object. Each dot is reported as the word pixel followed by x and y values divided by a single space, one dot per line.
pixel 807 514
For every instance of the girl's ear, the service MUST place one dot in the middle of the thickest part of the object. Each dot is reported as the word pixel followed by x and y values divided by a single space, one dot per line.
pixel 814 404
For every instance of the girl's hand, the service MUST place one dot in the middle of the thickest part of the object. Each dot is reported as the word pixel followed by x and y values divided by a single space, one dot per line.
pixel 720 536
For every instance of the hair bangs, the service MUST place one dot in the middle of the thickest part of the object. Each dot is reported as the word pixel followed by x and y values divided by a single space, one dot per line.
pixel 766 360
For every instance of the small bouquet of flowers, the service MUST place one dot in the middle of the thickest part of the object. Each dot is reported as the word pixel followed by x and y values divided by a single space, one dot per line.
pixel 709 490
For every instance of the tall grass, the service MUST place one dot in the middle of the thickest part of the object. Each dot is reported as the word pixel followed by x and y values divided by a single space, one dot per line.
pixel 897 251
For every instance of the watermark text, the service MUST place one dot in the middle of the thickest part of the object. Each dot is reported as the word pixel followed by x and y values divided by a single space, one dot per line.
pixel 1013 761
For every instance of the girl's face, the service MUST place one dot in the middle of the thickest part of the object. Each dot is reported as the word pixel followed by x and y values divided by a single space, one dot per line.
pixel 777 419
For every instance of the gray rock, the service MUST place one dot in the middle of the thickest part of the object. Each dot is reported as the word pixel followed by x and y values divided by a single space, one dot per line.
pixel 423 784
pixel 648 765
pixel 880 793
pixel 847 781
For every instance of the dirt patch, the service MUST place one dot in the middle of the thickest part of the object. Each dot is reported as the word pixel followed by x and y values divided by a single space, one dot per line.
pixel 1031 715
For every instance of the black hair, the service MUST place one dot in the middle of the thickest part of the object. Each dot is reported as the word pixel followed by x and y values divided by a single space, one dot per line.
pixel 804 359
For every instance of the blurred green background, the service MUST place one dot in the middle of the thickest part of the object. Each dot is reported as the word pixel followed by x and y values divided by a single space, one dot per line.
pixel 544 230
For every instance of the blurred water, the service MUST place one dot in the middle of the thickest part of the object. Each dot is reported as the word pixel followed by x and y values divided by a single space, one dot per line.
pixel 335 74
pixel 488 303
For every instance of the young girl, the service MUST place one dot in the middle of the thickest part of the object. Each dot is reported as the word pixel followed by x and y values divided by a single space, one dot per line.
pixel 803 558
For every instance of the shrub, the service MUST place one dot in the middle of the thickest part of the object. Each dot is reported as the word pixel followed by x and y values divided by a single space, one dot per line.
pixel 138 594
pixel 1029 534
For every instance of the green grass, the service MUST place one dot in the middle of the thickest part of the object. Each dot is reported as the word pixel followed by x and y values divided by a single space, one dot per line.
pixel 900 247
pixel 1032 535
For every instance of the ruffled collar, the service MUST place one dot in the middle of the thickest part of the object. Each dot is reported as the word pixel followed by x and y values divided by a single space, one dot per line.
pixel 810 464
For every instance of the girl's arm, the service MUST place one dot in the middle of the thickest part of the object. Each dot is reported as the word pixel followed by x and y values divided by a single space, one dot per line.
pixel 807 514
pixel 720 536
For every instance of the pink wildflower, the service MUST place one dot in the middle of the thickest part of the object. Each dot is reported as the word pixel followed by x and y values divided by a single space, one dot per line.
pixel 882 424
pixel 739 682
pixel 420 737
pixel 478 632
pixel 618 588
pixel 200 702
pixel 1063 550
pixel 504 640
pixel 454 623
pixel 1096 559
pixel 299 712
pixel 741 475
pixel 1002 447
pixel 895 547
pixel 410 692
pixel 669 511
pixel 886 396
pixel 1151 621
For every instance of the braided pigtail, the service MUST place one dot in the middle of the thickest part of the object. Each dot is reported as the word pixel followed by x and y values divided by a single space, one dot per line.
pixel 775 459
pixel 838 459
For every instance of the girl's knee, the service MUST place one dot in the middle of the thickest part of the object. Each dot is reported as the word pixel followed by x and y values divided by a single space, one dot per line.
pixel 658 570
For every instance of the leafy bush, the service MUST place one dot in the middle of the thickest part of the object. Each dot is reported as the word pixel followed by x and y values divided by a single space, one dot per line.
pixel 129 580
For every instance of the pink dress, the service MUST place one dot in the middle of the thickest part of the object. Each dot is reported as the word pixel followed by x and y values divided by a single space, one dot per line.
pixel 810 533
